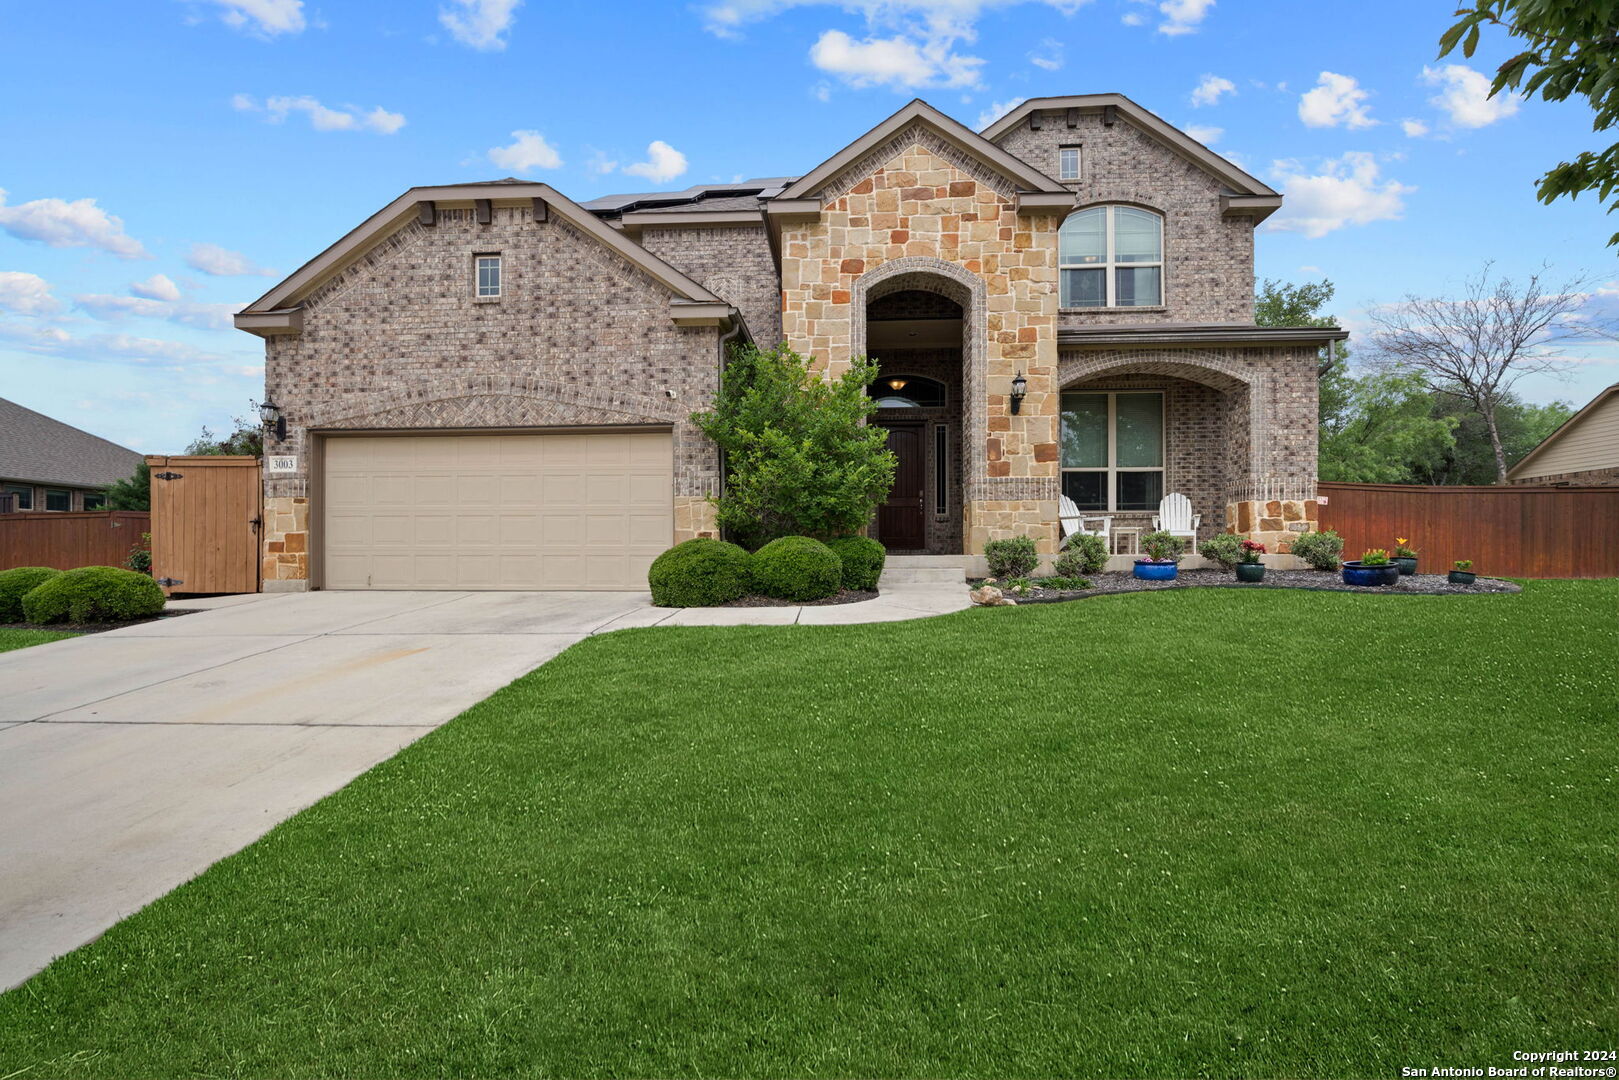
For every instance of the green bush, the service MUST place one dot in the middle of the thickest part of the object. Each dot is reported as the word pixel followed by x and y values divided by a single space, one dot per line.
pixel 700 573
pixel 1063 581
pixel 93 594
pixel 1082 553
pixel 1319 550
pixel 862 559
pixel 1014 558
pixel 1162 546
pixel 17 583
pixel 1224 548
pixel 1375 557
pixel 797 568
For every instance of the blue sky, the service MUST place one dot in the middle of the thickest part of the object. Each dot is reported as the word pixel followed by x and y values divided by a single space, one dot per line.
pixel 164 160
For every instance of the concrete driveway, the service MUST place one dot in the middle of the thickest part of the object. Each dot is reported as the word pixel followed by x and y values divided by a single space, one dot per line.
pixel 132 760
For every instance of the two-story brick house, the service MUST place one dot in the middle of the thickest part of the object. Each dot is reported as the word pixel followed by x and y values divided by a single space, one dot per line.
pixel 489 385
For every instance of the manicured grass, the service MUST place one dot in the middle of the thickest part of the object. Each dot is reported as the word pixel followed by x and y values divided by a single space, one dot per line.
pixel 1172 834
pixel 21 639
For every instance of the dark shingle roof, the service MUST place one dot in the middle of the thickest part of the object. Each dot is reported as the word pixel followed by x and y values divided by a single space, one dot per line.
pixel 36 449
pixel 746 195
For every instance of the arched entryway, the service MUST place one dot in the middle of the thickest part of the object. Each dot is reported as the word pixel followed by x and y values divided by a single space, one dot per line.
pixel 921 320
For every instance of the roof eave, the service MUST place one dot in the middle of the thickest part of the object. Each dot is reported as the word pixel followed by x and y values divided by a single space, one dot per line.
pixel 1150 336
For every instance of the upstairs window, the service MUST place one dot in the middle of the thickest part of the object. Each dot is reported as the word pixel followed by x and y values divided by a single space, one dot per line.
pixel 1112 257
pixel 488 275
pixel 1068 163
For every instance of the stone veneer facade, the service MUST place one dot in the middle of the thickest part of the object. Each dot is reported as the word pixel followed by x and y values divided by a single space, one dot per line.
pixel 583 335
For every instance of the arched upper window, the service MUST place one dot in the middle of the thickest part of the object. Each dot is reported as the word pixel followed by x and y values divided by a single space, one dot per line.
pixel 1112 256
pixel 907 392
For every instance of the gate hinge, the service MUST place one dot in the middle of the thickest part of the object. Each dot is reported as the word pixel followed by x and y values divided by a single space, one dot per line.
pixel 169 582
pixel 167 475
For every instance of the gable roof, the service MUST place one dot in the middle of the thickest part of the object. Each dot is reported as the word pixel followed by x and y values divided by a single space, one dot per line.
pixel 277 310
pixel 1240 181
pixel 1025 176
pixel 1522 468
pixel 39 450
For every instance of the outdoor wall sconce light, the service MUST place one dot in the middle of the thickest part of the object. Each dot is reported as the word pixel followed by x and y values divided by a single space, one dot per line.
pixel 1020 386
pixel 270 416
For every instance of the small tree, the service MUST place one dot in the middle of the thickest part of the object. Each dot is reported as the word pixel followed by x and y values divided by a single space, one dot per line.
pixel 135 493
pixel 799 456
pixel 1281 303
pixel 247 440
pixel 1477 345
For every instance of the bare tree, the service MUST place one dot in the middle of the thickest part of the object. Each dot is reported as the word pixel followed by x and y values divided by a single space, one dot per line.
pixel 1477 345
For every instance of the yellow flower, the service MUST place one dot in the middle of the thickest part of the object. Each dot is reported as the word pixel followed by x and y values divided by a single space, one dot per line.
pixel 1401 540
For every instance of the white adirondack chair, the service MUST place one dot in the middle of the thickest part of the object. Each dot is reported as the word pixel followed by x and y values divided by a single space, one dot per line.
pixel 1175 517
pixel 1073 521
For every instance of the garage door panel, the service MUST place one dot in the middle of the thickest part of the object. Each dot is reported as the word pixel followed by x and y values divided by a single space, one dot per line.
pixel 564 511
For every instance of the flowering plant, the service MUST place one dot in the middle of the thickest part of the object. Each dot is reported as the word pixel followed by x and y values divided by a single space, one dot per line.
pixel 1251 551
pixel 1161 547
pixel 1375 557
pixel 1401 550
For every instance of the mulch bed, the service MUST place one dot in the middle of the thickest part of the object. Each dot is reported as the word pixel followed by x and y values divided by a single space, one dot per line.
pixel 1320 580
pixel 98 627
pixel 842 596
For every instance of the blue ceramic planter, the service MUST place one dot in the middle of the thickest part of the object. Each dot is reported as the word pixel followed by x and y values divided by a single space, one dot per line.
pixel 1356 574
pixel 1151 571
pixel 1250 571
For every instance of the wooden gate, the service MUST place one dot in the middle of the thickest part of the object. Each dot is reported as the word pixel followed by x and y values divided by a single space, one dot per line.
pixel 206 515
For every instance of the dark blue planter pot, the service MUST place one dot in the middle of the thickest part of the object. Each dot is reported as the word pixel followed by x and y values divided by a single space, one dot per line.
pixel 1461 577
pixel 1407 566
pixel 1356 574
pixel 1250 571
pixel 1151 571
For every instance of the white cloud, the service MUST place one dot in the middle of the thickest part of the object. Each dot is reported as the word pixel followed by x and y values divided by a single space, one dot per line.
pixel 1049 56
pixel 112 348
pixel 322 117
pixel 1336 99
pixel 26 294
pixel 1414 129
pixel 222 262
pixel 1133 18
pixel 1183 16
pixel 907 44
pixel 1346 191
pixel 898 61
pixel 1204 134
pixel 264 17
pixel 600 163
pixel 997 110
pixel 527 152
pixel 480 23
pixel 1208 91
pixel 1465 96
pixel 202 316
pixel 58 223
pixel 663 163
pixel 156 287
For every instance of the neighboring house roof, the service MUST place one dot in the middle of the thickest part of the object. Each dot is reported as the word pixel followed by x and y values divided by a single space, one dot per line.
pixel 1586 441
pixel 277 311
pixel 1240 181
pixel 1025 176
pixel 36 449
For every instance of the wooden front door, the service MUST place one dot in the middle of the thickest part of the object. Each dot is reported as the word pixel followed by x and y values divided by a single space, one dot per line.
pixel 900 522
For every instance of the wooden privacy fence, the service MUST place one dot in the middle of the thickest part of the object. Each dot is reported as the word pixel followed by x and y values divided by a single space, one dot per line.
pixel 206 515
pixel 1508 531
pixel 68 541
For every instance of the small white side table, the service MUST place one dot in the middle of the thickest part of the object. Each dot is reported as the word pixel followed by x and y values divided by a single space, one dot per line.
pixel 1132 533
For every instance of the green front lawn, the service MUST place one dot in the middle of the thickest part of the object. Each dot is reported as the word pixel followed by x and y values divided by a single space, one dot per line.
pixel 1201 832
pixel 21 639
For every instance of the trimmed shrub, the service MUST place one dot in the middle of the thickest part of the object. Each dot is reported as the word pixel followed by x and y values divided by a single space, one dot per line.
pixel 1014 558
pixel 797 568
pixel 1225 549
pixel 17 583
pixel 1161 546
pixel 700 573
pixel 93 594
pixel 1319 550
pixel 1082 553
pixel 862 559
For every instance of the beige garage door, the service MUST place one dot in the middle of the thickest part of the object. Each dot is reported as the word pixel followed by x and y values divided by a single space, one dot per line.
pixel 564 511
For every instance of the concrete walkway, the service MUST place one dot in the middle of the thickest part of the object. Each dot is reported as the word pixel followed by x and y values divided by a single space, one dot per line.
pixel 132 760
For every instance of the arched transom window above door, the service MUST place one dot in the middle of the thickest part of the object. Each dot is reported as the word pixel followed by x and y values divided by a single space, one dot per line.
pixel 1112 257
pixel 907 392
